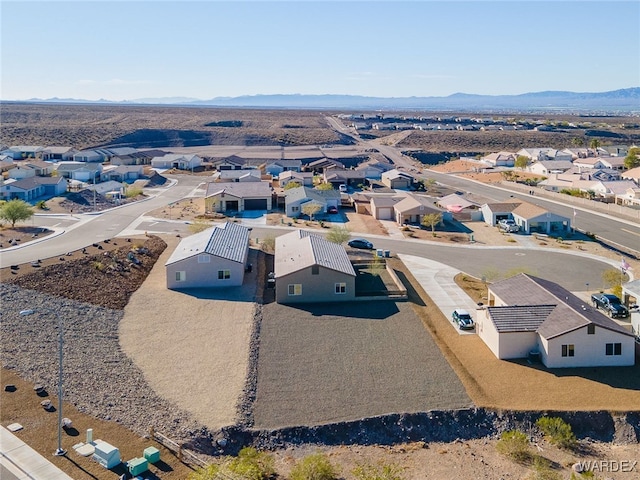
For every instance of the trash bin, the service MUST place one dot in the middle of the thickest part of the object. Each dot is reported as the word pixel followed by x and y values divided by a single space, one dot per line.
pixel 387 253
pixel 379 252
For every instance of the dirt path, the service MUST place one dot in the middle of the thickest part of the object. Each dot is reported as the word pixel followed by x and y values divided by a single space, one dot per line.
pixel 193 350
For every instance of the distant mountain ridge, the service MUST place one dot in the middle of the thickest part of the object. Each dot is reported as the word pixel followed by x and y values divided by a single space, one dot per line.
pixel 624 100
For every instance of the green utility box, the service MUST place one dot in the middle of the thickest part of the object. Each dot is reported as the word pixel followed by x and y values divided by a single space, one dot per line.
pixel 137 466
pixel 152 454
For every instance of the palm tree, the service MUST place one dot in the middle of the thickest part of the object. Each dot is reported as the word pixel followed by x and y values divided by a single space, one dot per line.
pixel 595 144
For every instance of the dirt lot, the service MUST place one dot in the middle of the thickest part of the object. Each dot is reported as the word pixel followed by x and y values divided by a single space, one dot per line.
pixel 376 358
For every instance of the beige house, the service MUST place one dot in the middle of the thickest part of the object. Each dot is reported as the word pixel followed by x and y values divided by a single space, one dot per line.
pixel 237 196
pixel 531 317
pixel 397 180
pixel 413 208
pixel 309 268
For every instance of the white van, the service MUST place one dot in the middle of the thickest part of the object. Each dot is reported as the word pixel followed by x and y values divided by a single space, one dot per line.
pixel 342 188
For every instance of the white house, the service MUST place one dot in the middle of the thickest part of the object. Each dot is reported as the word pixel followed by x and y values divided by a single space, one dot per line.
pixel 180 162
pixel 397 179
pixel 296 198
pixel 305 179
pixel 216 257
pixel 251 175
pixel 527 316
pixel 547 167
pixel 500 159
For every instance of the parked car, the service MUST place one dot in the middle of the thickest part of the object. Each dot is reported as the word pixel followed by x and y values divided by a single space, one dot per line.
pixel 360 243
pixel 463 319
pixel 610 304
pixel 343 188
pixel 508 225
pixel 332 209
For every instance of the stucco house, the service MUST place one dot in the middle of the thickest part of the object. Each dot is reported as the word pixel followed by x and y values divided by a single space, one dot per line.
pixel 237 196
pixel 338 177
pixel 534 219
pixel 80 171
pixel 500 159
pixel 529 316
pixel 588 163
pixel 57 154
pixel 383 207
pixel 181 162
pixel 27 189
pixel 123 173
pixel 216 257
pixel 305 179
pixel 309 268
pixel 633 174
pixel 412 209
pixel 91 156
pixel 295 198
pixel 250 175
pixel 547 167
pixel 397 180
pixel 276 167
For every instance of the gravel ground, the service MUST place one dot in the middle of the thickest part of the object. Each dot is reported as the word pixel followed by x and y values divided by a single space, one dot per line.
pixel 99 379
pixel 375 358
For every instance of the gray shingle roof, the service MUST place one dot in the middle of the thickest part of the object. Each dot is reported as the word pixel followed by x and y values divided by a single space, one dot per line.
pixel 239 189
pixel 228 240
pixel 519 318
pixel 301 249
pixel 321 196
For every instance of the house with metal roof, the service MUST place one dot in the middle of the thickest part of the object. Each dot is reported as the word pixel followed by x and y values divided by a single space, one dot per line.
pixel 213 258
pixel 309 268
pixel 237 196
pixel 529 316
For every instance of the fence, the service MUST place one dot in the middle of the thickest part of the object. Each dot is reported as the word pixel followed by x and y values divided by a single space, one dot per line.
pixel 183 455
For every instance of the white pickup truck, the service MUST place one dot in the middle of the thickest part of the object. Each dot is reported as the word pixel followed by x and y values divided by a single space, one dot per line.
pixel 508 225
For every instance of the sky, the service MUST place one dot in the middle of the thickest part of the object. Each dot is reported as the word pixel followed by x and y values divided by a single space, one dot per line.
pixel 126 50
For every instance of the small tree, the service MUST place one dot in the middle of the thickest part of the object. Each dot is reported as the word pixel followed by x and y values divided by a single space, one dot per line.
pixel 291 185
pixel 15 211
pixel 250 464
pixel 314 467
pixel 431 220
pixel 557 431
pixel 338 235
pixel 324 186
pixel 311 208
pixel 613 278
pixel 521 162
pixel 515 445
pixel 632 160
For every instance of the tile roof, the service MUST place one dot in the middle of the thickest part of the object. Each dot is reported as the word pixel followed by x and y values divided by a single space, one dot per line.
pixel 239 189
pixel 529 210
pixel 228 240
pixel 519 318
pixel 570 313
pixel 300 249
pixel 502 206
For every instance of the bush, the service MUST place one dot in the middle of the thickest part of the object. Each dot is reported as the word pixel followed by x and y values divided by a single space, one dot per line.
pixel 314 467
pixel 133 192
pixel 250 464
pixel 378 472
pixel 515 445
pixel 42 205
pixel 557 431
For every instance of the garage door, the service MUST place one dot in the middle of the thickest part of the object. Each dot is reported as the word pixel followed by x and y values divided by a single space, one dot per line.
pixel 255 204
pixel 385 213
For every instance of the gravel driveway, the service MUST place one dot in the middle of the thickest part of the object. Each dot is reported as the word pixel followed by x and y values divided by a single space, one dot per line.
pixel 193 347
pixel 326 363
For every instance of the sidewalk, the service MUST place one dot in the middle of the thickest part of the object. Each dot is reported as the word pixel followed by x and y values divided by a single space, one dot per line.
pixel 437 280
pixel 19 461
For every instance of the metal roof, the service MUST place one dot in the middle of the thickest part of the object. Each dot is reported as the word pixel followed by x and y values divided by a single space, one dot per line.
pixel 228 240
pixel 301 249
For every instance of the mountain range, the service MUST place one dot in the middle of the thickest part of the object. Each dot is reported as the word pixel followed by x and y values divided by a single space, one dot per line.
pixel 616 101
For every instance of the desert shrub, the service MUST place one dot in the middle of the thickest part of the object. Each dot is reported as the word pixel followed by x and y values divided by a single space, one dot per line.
pixel 133 192
pixel 250 464
pixel 557 431
pixel 42 205
pixel 338 235
pixel 314 467
pixel 378 472
pixel 98 266
pixel 515 445
pixel 198 226
pixel 268 244
pixel 542 470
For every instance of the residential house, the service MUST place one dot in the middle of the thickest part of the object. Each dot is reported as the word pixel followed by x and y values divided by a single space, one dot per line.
pixel 26 151
pixel 500 159
pixel 27 189
pixel 178 161
pixel 539 154
pixel 382 206
pixel 615 163
pixel 231 163
pixel 413 208
pixel 461 208
pixel 139 157
pixel 528 316
pixel 620 188
pixel 57 154
pixel 216 257
pixel 492 213
pixel 337 177
pixel 322 165
pixel 631 297
pixel 91 156
pixel 295 198
pixel 251 175
pixel 615 150
pixel 630 197
pixel 397 179
pixel 588 163
pixel 534 219
pixel 123 173
pixel 276 167
pixel 237 196
pixel 580 152
pixel 53 186
pixel 548 167
pixel 80 171
pixel 633 174
pixel 305 179
pixel 21 171
pixel 373 169
pixel 309 268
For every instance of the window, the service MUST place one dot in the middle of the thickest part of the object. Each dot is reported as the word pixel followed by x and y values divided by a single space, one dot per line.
pixel 295 289
pixel 224 274
pixel 295 209
pixel 568 350
pixel 341 288
pixel 204 258
pixel 591 329
pixel 613 349
pixel 315 269
pixel 181 276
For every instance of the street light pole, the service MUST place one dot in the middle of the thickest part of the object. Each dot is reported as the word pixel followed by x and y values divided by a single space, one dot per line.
pixel 59 451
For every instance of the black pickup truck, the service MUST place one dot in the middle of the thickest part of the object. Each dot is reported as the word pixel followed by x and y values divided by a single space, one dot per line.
pixel 609 303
